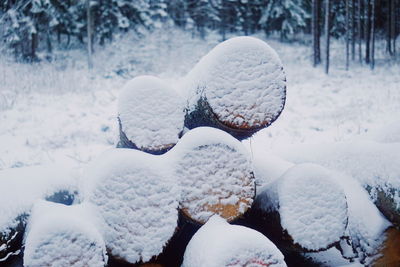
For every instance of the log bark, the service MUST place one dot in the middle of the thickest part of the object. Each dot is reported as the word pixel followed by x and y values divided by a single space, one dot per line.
pixel 203 115
pixel 124 142
pixel 386 201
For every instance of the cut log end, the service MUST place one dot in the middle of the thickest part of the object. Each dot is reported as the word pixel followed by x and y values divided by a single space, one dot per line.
pixel 308 205
pixel 240 87
pixel 151 124
pixel 215 174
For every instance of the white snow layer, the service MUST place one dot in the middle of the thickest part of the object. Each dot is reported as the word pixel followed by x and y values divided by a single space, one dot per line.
pixel 388 133
pixel 219 244
pixel 243 81
pixel 371 163
pixel 21 187
pixel 63 236
pixel 312 206
pixel 137 202
pixel 215 173
pixel 151 113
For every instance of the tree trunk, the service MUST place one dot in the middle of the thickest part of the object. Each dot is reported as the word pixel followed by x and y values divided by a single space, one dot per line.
pixel 89 34
pixel 353 27
pixel 359 32
pixel 347 33
pixel 315 32
pixel 393 26
pixel 34 44
pixel 373 35
pixel 367 20
pixel 327 33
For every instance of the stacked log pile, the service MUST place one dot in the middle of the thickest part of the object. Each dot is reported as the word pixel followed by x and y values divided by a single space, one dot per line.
pixel 180 178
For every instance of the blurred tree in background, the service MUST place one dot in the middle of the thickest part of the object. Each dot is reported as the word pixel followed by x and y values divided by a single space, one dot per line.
pixel 29 26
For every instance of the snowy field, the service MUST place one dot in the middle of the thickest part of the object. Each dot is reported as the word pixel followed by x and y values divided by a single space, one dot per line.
pixel 61 113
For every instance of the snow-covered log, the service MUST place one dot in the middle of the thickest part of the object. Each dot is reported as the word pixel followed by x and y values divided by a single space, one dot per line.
pixel 375 165
pixel 215 174
pixel 305 208
pixel 136 199
pixel 19 189
pixel 219 244
pixel 63 236
pixel 151 115
pixel 238 87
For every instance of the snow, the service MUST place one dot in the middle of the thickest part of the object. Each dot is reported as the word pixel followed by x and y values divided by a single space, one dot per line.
pixel 267 166
pixel 136 200
pixel 371 163
pixel 242 80
pixel 311 205
pixel 59 235
pixel 21 187
pixel 218 244
pixel 388 133
pixel 215 174
pixel 58 111
pixel 151 113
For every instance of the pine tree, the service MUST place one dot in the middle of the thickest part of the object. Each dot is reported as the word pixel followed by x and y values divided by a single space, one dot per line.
pixel 287 16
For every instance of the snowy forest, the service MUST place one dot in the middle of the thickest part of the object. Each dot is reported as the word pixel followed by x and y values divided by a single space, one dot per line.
pixel 199 133
pixel 32 26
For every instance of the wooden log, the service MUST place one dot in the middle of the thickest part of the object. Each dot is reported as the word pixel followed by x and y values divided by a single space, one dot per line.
pixel 215 175
pixel 136 200
pixel 304 210
pixel 388 254
pixel 150 115
pixel 375 165
pixel 19 189
pixel 219 244
pixel 59 235
pixel 238 87
pixel 387 200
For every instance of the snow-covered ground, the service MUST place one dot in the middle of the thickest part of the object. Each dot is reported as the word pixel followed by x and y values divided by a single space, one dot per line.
pixel 60 111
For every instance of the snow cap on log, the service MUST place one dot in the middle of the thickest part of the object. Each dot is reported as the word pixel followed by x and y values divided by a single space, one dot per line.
pixel 151 115
pixel 215 174
pixel 239 87
pixel 312 207
pixel 19 190
pixel 63 236
pixel 136 199
pixel 219 244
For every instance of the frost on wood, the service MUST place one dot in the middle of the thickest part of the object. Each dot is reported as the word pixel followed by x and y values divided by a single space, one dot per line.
pixel 63 236
pixel 311 206
pixel 137 201
pixel 239 87
pixel 151 115
pixel 219 244
pixel 215 174
pixel 19 189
